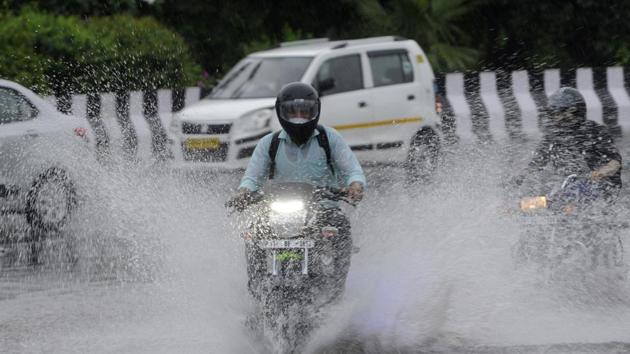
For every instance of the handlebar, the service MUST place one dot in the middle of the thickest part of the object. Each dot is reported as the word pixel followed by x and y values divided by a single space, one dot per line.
pixel 332 194
pixel 575 191
pixel 243 201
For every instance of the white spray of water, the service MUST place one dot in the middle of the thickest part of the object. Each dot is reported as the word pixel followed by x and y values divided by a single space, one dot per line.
pixel 433 271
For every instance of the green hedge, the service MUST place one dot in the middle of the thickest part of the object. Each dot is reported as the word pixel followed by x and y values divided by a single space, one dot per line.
pixel 60 54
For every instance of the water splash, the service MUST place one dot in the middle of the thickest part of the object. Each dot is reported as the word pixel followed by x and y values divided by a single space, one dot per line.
pixel 433 273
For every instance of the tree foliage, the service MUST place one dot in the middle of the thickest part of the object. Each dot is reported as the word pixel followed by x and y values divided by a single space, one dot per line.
pixel 81 8
pixel 543 34
pixel 435 24
pixel 116 39
pixel 54 53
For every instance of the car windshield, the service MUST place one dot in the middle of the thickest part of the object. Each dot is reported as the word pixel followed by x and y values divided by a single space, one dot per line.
pixel 260 77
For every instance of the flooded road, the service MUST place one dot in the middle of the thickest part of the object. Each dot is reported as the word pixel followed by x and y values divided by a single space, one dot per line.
pixel 151 264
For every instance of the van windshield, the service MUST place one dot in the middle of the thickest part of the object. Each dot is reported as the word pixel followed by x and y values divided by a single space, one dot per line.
pixel 260 77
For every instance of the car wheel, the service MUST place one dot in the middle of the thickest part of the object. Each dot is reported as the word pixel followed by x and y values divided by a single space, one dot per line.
pixel 423 156
pixel 50 201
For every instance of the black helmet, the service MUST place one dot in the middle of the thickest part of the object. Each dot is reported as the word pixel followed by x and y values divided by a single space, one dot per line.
pixel 566 108
pixel 298 108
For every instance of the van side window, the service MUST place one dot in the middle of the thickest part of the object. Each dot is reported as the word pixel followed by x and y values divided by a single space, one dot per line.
pixel 14 107
pixel 390 67
pixel 339 74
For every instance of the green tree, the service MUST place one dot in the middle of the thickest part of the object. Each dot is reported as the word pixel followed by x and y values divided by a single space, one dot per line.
pixel 435 24
pixel 140 54
pixel 81 8
pixel 67 54
pixel 38 49
pixel 214 30
pixel 266 42
pixel 542 34
pixel 221 33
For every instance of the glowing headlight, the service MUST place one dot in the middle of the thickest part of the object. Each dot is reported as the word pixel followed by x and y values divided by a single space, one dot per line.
pixel 256 120
pixel 533 203
pixel 288 206
pixel 287 217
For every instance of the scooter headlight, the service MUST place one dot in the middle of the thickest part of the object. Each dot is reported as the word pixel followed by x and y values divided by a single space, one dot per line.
pixel 528 204
pixel 287 207
pixel 287 217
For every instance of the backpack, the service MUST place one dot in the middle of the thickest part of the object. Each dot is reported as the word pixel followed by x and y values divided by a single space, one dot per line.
pixel 322 139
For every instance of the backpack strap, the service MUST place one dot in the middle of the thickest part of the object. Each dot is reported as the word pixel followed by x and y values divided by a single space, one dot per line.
pixel 273 150
pixel 322 139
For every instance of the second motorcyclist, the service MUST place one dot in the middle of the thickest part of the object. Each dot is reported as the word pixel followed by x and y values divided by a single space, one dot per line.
pixel 569 240
pixel 573 145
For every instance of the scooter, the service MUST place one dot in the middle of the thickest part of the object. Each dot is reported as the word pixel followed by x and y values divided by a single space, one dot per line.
pixel 567 233
pixel 298 249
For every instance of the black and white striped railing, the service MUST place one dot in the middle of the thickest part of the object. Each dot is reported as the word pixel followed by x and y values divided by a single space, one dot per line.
pixel 484 106
pixel 132 124
pixel 502 105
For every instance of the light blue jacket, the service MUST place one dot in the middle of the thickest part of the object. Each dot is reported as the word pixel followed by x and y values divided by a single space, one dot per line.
pixel 306 164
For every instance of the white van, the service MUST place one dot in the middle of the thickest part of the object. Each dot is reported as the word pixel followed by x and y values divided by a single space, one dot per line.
pixel 377 92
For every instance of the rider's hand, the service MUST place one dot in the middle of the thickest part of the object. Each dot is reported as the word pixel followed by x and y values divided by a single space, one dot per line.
pixel 355 191
pixel 608 169
pixel 596 176
pixel 239 201
pixel 243 191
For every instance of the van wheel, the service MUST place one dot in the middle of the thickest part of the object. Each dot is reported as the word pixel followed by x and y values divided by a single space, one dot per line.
pixel 423 156
pixel 50 201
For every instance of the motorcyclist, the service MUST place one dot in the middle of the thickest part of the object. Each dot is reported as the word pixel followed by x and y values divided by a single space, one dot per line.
pixel 299 154
pixel 306 152
pixel 574 145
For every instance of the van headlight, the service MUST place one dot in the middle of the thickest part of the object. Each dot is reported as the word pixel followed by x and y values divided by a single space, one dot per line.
pixel 256 120
pixel 287 217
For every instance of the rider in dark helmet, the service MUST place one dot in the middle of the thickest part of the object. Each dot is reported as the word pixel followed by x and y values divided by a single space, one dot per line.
pixel 566 109
pixel 303 151
pixel 574 145
pixel 298 108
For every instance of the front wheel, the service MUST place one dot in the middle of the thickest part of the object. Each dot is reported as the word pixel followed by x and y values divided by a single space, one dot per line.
pixel 423 156
pixel 50 201
pixel 285 324
pixel 570 262
pixel 610 258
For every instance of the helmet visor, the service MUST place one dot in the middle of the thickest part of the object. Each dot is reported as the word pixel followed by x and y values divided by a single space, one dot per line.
pixel 299 110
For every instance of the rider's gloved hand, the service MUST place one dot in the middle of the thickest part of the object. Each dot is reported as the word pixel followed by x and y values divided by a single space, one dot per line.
pixel 604 171
pixel 596 176
pixel 240 200
pixel 355 191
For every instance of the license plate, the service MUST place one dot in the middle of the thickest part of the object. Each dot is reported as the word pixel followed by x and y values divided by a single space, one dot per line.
pixel 203 144
pixel 283 244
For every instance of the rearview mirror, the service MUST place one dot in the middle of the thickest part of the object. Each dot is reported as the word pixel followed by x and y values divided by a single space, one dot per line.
pixel 325 85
